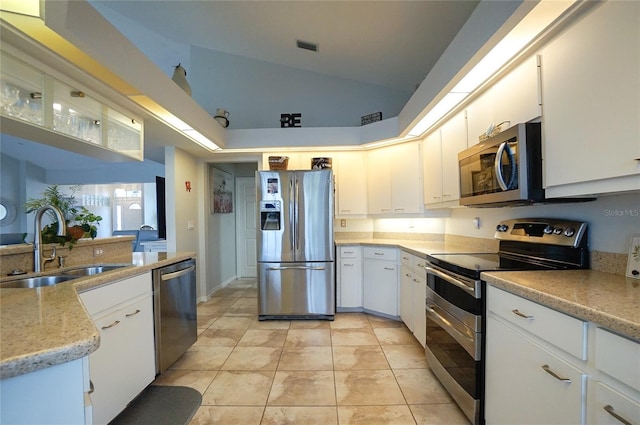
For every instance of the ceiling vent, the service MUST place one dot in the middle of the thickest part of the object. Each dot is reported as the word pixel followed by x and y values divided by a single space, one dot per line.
pixel 306 45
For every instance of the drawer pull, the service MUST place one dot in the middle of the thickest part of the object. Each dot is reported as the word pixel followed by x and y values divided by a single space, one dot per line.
pixel 347 252
pixel 132 314
pixel 348 265
pixel 547 369
pixel 518 313
pixel 610 410
pixel 378 253
pixel 111 325
pixel 389 268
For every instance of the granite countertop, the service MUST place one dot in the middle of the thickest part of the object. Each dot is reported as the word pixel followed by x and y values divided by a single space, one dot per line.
pixel 43 327
pixel 610 301
pixel 417 247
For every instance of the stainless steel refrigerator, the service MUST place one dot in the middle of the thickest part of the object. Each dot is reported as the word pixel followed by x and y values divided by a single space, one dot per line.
pixel 295 246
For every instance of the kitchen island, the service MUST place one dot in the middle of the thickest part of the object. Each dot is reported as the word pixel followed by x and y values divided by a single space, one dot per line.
pixel 43 327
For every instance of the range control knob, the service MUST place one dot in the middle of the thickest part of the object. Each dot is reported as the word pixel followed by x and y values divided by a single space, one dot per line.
pixel 548 230
pixel 569 232
pixel 502 227
pixel 558 231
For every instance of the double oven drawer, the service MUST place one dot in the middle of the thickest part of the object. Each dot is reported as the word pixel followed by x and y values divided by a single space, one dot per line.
pixel 454 318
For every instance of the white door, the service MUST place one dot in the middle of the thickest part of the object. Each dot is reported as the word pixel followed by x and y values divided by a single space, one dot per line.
pixel 246 227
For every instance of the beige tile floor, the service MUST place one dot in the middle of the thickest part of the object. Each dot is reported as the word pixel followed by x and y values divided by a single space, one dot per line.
pixel 358 369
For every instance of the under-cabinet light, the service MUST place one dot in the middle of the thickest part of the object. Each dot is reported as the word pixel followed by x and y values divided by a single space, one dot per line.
pixel 526 31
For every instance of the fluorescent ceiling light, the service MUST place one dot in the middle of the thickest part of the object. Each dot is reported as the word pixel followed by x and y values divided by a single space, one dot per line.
pixel 527 30
pixel 174 122
pixel 23 7
pixel 447 103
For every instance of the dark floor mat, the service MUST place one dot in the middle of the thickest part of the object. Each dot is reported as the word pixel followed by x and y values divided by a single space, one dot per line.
pixel 161 405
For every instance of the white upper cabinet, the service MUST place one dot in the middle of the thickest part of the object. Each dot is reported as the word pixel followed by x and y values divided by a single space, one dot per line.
pixel 351 184
pixel 379 181
pixel 432 155
pixel 591 93
pixel 514 98
pixel 406 178
pixel 37 103
pixel 441 148
pixel 395 179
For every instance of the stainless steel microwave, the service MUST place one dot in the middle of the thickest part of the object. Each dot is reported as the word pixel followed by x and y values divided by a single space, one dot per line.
pixel 504 170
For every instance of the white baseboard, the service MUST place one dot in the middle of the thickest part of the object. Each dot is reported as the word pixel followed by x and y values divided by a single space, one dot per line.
pixel 204 299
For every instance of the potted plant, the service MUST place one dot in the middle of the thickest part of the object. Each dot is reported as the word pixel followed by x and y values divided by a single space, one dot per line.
pixel 79 222
pixel 87 221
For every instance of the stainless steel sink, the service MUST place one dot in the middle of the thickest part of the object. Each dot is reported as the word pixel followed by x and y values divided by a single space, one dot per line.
pixel 35 282
pixel 62 276
pixel 91 270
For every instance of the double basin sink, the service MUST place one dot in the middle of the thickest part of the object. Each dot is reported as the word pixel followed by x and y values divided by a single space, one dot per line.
pixel 62 276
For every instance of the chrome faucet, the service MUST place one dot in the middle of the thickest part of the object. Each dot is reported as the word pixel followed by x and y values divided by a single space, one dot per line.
pixel 39 260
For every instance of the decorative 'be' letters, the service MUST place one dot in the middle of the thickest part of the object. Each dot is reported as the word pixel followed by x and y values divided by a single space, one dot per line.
pixel 290 120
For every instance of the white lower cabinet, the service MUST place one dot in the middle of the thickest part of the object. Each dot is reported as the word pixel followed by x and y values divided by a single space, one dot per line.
pixel 413 293
pixel 54 395
pixel 545 367
pixel 419 311
pixel 528 379
pixel 607 406
pixel 124 364
pixel 406 294
pixel 380 283
pixel 614 390
pixel 349 282
pixel 526 384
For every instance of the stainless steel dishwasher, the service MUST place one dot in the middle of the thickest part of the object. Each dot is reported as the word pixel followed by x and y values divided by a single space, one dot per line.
pixel 174 309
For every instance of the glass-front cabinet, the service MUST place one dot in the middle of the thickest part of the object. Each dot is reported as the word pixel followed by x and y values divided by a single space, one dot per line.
pixel 34 97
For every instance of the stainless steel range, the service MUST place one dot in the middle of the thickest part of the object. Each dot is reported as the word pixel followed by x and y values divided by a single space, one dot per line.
pixel 456 305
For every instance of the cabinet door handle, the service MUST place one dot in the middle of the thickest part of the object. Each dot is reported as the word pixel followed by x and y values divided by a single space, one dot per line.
pixel 547 369
pixel 132 314
pixel 610 410
pixel 111 325
pixel 518 313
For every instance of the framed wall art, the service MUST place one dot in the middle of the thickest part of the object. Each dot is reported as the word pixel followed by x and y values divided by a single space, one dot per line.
pixel 221 185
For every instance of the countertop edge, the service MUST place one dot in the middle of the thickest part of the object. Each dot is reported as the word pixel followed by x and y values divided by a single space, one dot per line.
pixel 603 319
pixel 86 341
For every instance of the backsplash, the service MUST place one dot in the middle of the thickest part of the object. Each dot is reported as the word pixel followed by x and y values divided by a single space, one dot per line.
pixel 86 251
pixel 608 262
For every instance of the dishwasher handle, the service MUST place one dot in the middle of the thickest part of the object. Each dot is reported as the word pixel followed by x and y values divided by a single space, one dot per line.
pixel 174 275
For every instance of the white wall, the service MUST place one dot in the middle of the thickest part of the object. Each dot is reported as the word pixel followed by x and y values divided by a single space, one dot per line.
pixel 612 220
pixel 216 79
pixel 182 206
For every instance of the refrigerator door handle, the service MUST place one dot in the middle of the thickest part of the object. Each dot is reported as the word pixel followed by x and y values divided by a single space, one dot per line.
pixel 291 217
pixel 297 216
pixel 296 268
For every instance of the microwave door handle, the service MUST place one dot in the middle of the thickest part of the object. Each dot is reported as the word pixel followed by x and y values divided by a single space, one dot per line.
pixel 498 166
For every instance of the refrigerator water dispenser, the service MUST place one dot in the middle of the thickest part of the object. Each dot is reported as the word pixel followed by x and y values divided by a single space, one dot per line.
pixel 270 215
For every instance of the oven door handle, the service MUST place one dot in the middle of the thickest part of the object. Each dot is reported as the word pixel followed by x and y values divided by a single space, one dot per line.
pixel 467 342
pixel 451 280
